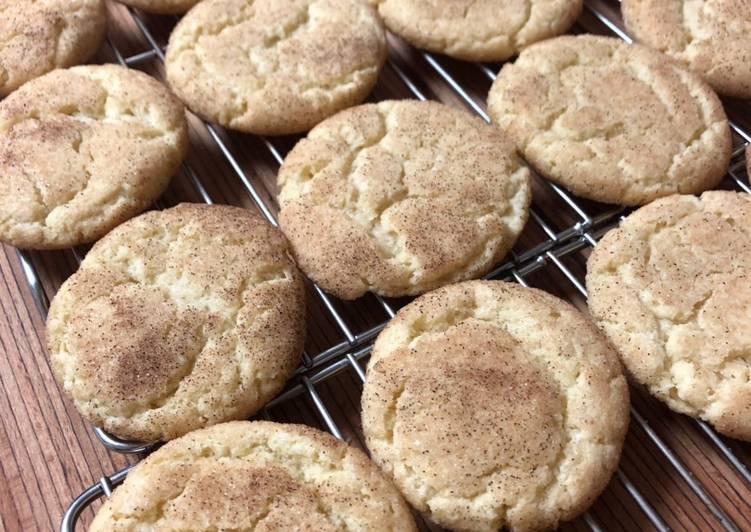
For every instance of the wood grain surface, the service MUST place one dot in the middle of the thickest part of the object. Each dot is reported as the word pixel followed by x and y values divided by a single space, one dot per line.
pixel 49 455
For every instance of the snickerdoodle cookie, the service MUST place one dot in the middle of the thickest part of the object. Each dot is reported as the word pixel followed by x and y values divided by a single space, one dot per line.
pixel 82 150
pixel 612 122
pixel 712 37
pixel 178 319
pixel 275 66
pixel 672 289
pixel 37 36
pixel 161 7
pixel 256 476
pixel 495 406
pixel 478 30
pixel 401 197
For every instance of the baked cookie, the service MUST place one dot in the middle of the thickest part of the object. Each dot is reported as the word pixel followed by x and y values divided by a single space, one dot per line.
pixel 178 319
pixel 671 288
pixel 495 406
pixel 37 36
pixel 665 132
pixel 712 37
pixel 82 150
pixel 161 7
pixel 275 67
pixel 255 476
pixel 401 197
pixel 478 30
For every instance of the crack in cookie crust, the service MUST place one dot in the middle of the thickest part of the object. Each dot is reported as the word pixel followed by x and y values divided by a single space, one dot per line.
pixel 495 406
pixel 82 150
pixel 178 319
pixel 275 67
pixel 668 133
pixel 712 37
pixel 670 287
pixel 256 476
pixel 401 197
pixel 37 36
pixel 478 30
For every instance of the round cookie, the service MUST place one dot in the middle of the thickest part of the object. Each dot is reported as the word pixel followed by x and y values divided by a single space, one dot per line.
pixel 666 131
pixel 671 288
pixel 495 406
pixel 255 476
pixel 82 150
pixel 161 7
pixel 478 30
pixel 712 37
pixel 401 197
pixel 178 319
pixel 275 67
pixel 37 36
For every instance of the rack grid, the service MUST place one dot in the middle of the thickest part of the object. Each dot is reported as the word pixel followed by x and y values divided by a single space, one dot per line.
pixel 577 227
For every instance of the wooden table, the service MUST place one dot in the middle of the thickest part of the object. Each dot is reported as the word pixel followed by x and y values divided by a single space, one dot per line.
pixel 48 454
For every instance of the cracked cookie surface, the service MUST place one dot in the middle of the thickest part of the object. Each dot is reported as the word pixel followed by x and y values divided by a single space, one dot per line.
pixel 477 30
pixel 178 319
pixel 256 476
pixel 161 7
pixel 275 67
pixel 612 122
pixel 672 289
pixel 401 197
pixel 494 405
pixel 37 36
pixel 712 37
pixel 82 150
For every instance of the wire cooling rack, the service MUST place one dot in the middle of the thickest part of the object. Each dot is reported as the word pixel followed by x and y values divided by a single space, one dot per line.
pixel 561 231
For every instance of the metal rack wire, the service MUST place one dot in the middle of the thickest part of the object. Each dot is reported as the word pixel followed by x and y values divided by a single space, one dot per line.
pixel 353 348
